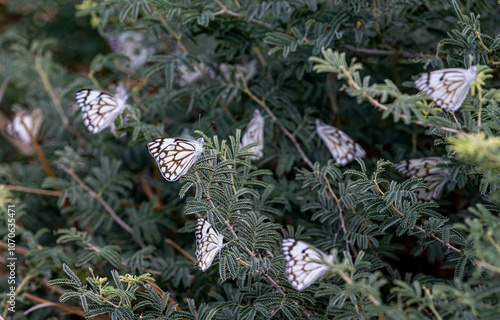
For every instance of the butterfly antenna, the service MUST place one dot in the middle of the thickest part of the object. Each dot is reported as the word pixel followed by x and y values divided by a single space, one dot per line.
pixel 211 125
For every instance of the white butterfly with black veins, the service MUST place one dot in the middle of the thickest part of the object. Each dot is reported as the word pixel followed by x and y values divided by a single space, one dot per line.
pixel 174 156
pixel 428 171
pixel 208 243
pixel 340 145
pixel 99 108
pixel 304 263
pixel 254 133
pixel 32 120
pixel 448 87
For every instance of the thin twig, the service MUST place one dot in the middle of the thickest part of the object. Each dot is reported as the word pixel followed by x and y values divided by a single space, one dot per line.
pixel 53 193
pixel 348 280
pixel 433 236
pixel 50 91
pixel 380 52
pixel 274 119
pixel 182 251
pixel 278 287
pixel 38 150
pixel 379 105
pixel 94 195
pixel 3 87
pixel 239 15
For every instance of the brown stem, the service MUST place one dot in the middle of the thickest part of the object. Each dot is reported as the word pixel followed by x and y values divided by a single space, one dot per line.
pixel 182 251
pixel 94 195
pixel 239 15
pixel 379 105
pixel 433 236
pixel 38 150
pixel 53 193
pixel 274 119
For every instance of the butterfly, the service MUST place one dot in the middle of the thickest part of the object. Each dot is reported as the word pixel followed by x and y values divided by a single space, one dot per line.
pixel 100 109
pixel 208 243
pixel 133 44
pixel 174 156
pixel 32 120
pixel 254 133
pixel 304 263
pixel 341 146
pixel 427 170
pixel 448 87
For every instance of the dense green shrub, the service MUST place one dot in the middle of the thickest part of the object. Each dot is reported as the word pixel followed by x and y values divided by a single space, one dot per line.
pixel 98 231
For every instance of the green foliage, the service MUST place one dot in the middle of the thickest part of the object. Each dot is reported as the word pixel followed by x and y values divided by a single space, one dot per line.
pixel 89 207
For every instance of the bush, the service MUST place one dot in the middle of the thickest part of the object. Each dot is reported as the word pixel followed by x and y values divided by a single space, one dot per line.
pixel 99 233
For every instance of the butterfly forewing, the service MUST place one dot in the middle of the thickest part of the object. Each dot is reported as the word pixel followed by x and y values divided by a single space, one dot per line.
pixel 174 156
pixel 426 169
pixel 343 149
pixel 255 133
pixel 100 109
pixel 304 264
pixel 449 87
pixel 208 243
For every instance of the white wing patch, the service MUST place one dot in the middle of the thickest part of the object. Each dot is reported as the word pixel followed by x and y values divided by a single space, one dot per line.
pixel 32 120
pixel 100 109
pixel 208 243
pixel 254 133
pixel 304 263
pixel 343 149
pixel 174 156
pixel 427 170
pixel 448 87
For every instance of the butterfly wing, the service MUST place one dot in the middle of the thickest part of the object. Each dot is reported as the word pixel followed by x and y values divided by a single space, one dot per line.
pixel 303 263
pixel 100 109
pixel 340 145
pixel 32 120
pixel 449 87
pixel 175 156
pixel 208 243
pixel 255 133
pixel 427 170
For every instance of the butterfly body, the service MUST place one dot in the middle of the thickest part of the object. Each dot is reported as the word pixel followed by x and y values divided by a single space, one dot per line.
pixel 99 108
pixel 343 149
pixel 174 156
pixel 448 87
pixel 428 171
pixel 304 263
pixel 254 133
pixel 208 243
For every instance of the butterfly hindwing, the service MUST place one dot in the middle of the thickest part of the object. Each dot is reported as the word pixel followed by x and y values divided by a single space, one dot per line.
pixel 99 108
pixel 448 87
pixel 343 149
pixel 304 263
pixel 208 243
pixel 254 133
pixel 428 171
pixel 174 156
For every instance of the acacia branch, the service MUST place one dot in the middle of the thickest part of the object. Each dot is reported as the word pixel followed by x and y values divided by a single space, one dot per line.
pixel 265 274
pixel 94 195
pixel 38 150
pixel 432 235
pixel 239 15
pixel 263 104
pixel 381 106
pixel 53 193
